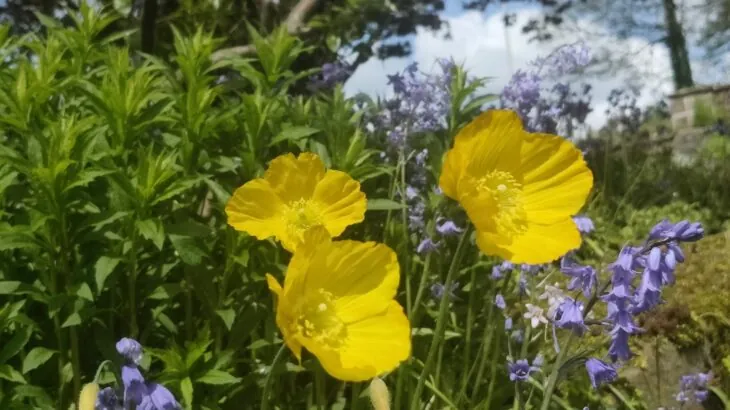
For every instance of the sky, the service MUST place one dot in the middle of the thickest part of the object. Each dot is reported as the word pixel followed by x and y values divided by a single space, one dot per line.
pixel 480 41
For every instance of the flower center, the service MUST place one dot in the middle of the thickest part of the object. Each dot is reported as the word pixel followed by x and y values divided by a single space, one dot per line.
pixel 300 215
pixel 506 195
pixel 317 320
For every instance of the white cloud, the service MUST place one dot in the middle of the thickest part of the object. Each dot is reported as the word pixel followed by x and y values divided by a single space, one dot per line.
pixel 480 42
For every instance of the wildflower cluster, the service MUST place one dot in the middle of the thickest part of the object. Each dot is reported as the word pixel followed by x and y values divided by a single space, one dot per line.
pixel 541 108
pixel 693 388
pixel 136 391
pixel 419 103
pixel 331 75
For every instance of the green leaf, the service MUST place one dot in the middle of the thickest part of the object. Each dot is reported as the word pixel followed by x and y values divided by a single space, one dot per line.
pixel 10 374
pixel 188 249
pixel 73 320
pixel 104 267
pixel 87 176
pixel 381 204
pixel 15 344
pixel 152 229
pixel 217 377
pixel 15 239
pixel 36 358
pixel 722 396
pixel 166 291
pixel 85 292
pixel 293 134
pixel 9 287
pixel 186 387
pixel 228 316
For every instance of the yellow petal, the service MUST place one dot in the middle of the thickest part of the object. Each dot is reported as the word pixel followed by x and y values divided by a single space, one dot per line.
pixel 274 285
pixel 254 208
pixel 295 178
pixel 491 142
pixel 538 244
pixel 556 179
pixel 374 346
pixel 361 277
pixel 341 201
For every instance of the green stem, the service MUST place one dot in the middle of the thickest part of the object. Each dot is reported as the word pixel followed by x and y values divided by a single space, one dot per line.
pixel 442 318
pixel 553 378
pixel 421 290
pixel 356 388
pixel 75 359
pixel 320 388
pixel 270 378
pixel 132 285
pixel 99 369
pixel 518 399
pixel 406 239
pixel 493 374
pixel 469 323
pixel 487 344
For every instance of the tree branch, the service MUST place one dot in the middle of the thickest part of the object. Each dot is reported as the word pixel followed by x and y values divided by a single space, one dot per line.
pixel 294 25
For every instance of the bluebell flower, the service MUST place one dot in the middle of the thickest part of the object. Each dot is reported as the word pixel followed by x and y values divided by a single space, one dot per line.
pixel 520 370
pixel 693 388
pixel 130 350
pixel 438 290
pixel 498 270
pixel 518 336
pixel 508 323
pixel 570 316
pixel 582 277
pixel 499 302
pixel 584 224
pixel 682 231
pixel 619 348
pixel 427 246
pixel 158 398
pixel 107 399
pixel 421 158
pixel 567 59
pixel 600 372
pixel 134 384
pixel 411 192
pixel 448 228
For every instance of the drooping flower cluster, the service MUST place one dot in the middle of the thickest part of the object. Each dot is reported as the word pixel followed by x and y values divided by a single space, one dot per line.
pixel 693 388
pixel 657 261
pixel 544 109
pixel 136 391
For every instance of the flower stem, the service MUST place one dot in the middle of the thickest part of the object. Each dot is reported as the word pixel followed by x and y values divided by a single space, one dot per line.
pixel 553 378
pixel 421 289
pixel 270 377
pixel 438 334
pixel 356 388
pixel 320 387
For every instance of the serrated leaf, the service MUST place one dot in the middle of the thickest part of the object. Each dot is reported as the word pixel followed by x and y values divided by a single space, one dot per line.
pixel 10 374
pixel 382 204
pixel 228 316
pixel 36 358
pixel 217 377
pixel 104 267
pixel 86 177
pixel 152 229
pixel 293 134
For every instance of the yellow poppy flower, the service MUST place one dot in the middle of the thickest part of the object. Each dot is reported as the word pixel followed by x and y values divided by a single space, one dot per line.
pixel 519 189
pixel 337 302
pixel 294 195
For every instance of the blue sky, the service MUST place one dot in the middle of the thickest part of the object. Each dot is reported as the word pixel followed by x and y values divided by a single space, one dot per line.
pixel 481 42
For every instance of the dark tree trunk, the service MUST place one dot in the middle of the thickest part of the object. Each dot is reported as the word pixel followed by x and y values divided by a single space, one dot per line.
pixel 149 25
pixel 677 44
